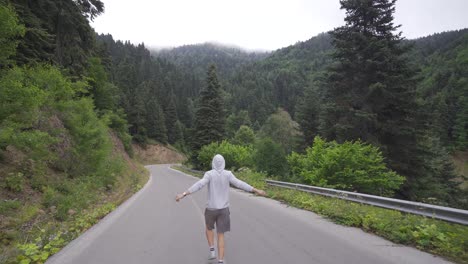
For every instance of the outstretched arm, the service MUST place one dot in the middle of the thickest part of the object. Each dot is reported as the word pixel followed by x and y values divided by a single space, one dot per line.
pixel 245 186
pixel 195 187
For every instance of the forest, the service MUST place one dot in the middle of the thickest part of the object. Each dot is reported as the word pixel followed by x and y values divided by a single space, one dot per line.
pixel 195 95
pixel 353 108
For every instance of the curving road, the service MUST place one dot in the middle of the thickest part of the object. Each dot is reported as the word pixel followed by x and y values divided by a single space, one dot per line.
pixel 152 228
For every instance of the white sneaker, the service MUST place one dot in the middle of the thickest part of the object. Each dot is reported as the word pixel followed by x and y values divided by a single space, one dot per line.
pixel 212 254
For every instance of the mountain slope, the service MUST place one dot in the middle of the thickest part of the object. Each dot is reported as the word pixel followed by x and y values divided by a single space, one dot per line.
pixel 197 58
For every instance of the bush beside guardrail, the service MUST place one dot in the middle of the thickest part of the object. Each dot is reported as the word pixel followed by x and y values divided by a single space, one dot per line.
pixel 438 212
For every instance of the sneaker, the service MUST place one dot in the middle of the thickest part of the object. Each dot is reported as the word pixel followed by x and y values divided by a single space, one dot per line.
pixel 212 254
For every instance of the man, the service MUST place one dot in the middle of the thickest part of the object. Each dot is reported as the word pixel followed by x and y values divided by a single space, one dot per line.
pixel 217 207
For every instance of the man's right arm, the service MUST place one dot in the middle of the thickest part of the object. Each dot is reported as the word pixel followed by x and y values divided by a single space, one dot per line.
pixel 195 187
pixel 199 184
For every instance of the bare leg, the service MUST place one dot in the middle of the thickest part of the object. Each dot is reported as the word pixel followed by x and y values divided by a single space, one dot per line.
pixel 221 246
pixel 210 237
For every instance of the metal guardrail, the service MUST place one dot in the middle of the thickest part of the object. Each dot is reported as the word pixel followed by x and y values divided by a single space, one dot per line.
pixel 433 211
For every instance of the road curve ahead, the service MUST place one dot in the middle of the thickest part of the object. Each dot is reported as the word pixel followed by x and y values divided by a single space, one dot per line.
pixel 152 228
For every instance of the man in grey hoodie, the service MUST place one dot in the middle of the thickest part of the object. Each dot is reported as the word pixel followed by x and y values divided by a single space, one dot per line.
pixel 217 207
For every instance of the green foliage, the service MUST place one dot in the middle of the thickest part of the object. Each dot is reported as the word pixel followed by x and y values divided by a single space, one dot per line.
pixel 352 166
pixel 36 253
pixel 15 182
pixel 209 117
pixel 10 29
pixel 434 236
pixel 156 122
pixel 7 206
pixel 308 112
pixel 103 92
pixel 443 89
pixel 369 98
pixel 254 178
pixel 227 59
pixel 283 130
pixel 20 101
pixel 170 117
pixel 235 121
pixel 117 122
pixel 89 134
pixel 57 32
pixel 244 136
pixel 46 245
pixel 428 236
pixel 435 182
pixel 270 157
pixel 87 220
pixel 26 96
pixel 236 156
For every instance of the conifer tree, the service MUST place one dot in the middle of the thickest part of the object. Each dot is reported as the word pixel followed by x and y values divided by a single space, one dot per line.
pixel 307 113
pixel 369 88
pixel 370 95
pixel 155 123
pixel 170 114
pixel 10 29
pixel 209 115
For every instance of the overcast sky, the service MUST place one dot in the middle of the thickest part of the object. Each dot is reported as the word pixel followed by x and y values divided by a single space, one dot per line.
pixel 258 24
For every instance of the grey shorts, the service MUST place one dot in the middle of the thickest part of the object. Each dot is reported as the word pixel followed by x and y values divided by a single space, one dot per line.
pixel 219 216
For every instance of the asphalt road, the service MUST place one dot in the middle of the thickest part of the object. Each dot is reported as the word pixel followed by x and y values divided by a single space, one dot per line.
pixel 152 228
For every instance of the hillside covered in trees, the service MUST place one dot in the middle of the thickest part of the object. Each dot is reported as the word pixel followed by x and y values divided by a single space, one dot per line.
pixel 357 108
pixel 296 79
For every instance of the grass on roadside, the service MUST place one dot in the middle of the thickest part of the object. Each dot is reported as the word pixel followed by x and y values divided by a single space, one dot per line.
pixel 430 235
pixel 34 230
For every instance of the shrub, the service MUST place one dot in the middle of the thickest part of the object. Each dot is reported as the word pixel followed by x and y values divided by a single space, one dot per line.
pixel 235 156
pixel 116 121
pixel 244 136
pixel 352 166
pixel 270 158
pixel 91 143
pixel 15 181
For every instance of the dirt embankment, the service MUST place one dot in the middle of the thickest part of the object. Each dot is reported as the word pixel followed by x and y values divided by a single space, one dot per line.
pixel 157 154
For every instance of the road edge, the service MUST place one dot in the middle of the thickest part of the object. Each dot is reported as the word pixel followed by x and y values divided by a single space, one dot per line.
pixel 79 244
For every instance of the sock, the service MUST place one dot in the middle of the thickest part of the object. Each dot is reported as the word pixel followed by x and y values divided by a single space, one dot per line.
pixel 211 248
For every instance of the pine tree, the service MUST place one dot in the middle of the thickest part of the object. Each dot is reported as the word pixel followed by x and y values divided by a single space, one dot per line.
pixel 369 88
pixel 179 132
pixel 460 127
pixel 307 113
pixel 57 31
pixel 209 115
pixel 370 95
pixel 10 29
pixel 155 122
pixel 170 113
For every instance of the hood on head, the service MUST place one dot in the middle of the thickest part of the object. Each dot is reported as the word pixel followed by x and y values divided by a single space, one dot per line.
pixel 218 163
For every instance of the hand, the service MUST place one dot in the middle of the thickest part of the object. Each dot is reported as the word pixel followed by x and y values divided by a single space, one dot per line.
pixel 259 192
pixel 179 196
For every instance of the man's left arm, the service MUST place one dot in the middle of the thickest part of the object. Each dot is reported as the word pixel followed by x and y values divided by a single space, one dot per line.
pixel 244 186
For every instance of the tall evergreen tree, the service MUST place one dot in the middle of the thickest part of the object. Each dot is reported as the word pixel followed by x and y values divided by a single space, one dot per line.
pixel 307 113
pixel 371 96
pixel 170 114
pixel 369 88
pixel 209 115
pixel 155 121
pixel 10 29
pixel 57 31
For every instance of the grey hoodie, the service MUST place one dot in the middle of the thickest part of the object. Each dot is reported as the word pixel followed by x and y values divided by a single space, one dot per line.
pixel 218 180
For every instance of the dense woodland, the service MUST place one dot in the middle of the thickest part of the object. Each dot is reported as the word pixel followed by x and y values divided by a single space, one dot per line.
pixel 360 87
